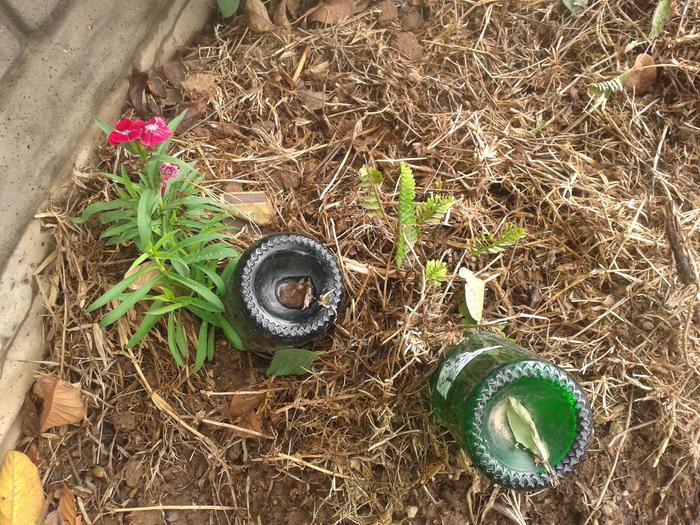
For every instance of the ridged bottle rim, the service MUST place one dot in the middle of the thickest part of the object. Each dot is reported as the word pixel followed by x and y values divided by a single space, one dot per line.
pixel 478 448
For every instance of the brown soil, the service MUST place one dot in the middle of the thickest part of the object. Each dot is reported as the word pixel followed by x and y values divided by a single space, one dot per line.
pixel 487 101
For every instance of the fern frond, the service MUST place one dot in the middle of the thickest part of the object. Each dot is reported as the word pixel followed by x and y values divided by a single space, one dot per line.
pixel 433 210
pixel 490 243
pixel 408 231
pixel 370 181
pixel 604 90
pixel 661 15
pixel 435 271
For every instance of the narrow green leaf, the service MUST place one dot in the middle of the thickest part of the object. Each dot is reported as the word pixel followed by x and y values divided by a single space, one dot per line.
pixel 144 216
pixel 473 294
pixel 204 292
pixel 200 238
pixel 149 321
pixel 106 128
pixel 128 303
pixel 218 281
pixel 117 230
pixel 213 253
pixel 102 206
pixel 172 343
pixel 172 125
pixel 202 342
pixel 661 15
pixel 211 343
pixel 181 338
pixel 291 362
pixel 229 332
pixel 228 270
pixel 114 291
pixel 165 309
pixel 227 7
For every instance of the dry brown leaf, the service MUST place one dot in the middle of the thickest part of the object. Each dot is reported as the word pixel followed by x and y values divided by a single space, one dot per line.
pixel 249 421
pixel 279 17
pixel 30 418
pixel 642 79
pixel 333 12
pixel 312 100
pixel 200 85
pixel 53 519
pixel 150 273
pixel 258 19
pixel 137 93
pixel 66 508
pixel 21 493
pixel 63 403
pixel 196 111
pixel 243 403
pixel 253 206
pixel 174 71
pixel 155 84
pixel 294 7
pixel 226 130
pixel 407 44
pixel 389 12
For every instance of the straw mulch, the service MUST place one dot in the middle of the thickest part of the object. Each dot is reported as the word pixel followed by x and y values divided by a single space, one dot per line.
pixel 491 107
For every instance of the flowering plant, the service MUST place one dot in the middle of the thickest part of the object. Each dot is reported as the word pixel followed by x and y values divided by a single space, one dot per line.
pixel 180 234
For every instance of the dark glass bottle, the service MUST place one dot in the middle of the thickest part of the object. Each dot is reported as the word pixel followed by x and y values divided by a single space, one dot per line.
pixel 285 291
pixel 469 395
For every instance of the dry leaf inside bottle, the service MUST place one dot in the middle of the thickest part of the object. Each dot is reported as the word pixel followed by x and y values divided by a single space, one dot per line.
pixel 63 402
pixel 253 206
pixel 258 19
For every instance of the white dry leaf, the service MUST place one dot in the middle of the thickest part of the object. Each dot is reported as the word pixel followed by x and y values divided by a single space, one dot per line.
pixel 473 294
pixel 63 402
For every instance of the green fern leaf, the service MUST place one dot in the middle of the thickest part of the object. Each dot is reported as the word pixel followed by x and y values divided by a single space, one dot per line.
pixel 661 15
pixel 435 272
pixel 370 181
pixel 604 90
pixel 433 210
pixel 490 243
pixel 408 231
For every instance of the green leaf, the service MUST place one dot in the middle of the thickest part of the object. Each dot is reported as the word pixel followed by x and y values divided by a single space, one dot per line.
pixel 434 209
pixel 200 238
pixel 204 292
pixel 114 291
pixel 576 6
pixel 227 7
pixel 407 234
pixel 165 309
pixel 202 342
pixel 172 125
pixel 118 230
pixel 525 433
pixel 228 270
pixel 229 332
pixel 509 235
pixel 213 253
pixel 143 219
pixel 102 206
pixel 172 343
pixel 149 321
pixel 370 181
pixel 291 362
pixel 181 338
pixel 211 343
pixel 128 303
pixel 106 128
pixel 435 272
pixel 473 294
pixel 218 281
pixel 661 15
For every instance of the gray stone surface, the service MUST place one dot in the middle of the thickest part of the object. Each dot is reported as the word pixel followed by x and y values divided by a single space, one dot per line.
pixel 10 49
pixel 59 77
pixel 34 13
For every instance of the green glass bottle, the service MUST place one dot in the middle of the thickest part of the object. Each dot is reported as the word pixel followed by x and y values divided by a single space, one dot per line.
pixel 469 395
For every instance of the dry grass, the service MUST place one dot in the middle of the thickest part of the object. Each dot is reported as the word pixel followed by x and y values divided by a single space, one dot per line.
pixel 496 113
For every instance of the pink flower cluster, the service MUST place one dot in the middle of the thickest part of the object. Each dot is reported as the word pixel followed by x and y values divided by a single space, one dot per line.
pixel 150 134
pixel 167 172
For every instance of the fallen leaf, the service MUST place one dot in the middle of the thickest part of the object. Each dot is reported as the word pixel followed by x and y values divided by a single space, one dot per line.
pixel 258 19
pixel 253 206
pixel 66 508
pixel 526 434
pixel 291 362
pixel 150 273
pixel 155 84
pixel 124 422
pixel 196 111
pixel 172 97
pixel 279 17
pixel 642 78
pixel 133 473
pixel 389 12
pixel 174 71
pixel 226 130
pixel 312 100
pixel 53 519
pixel 137 93
pixel 473 294
pixel 412 20
pixel 21 493
pixel 294 7
pixel 333 12
pixel 407 44
pixel 250 421
pixel 200 85
pixel 33 453
pixel 63 403
pixel 30 419
pixel 241 403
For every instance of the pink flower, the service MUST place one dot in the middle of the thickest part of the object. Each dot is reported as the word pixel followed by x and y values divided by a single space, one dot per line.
pixel 126 130
pixel 168 172
pixel 155 131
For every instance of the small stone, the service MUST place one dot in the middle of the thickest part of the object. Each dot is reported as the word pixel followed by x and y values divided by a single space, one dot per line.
pixel 411 512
